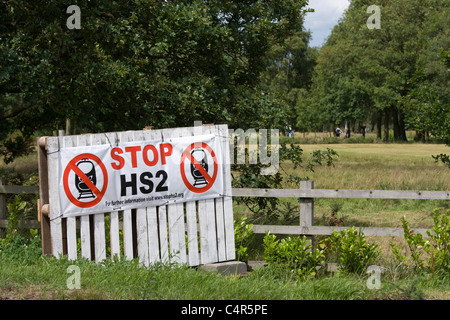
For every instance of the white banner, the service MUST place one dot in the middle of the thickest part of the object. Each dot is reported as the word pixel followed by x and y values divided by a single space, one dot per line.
pixel 105 178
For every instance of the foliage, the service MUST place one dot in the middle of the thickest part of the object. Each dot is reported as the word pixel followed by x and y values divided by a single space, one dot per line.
pixel 139 63
pixel 295 255
pixel 242 232
pixel 249 176
pixel 367 74
pixel 436 251
pixel 444 158
pixel 318 157
pixel 19 245
pixel 16 209
pixel 354 253
pixel 428 103
pixel 24 249
pixel 16 245
pixel 14 147
pixel 288 71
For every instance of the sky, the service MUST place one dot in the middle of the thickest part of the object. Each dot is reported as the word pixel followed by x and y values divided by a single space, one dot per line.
pixel 326 15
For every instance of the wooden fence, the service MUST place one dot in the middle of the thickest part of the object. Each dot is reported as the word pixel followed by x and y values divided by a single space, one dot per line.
pixel 4 189
pixel 194 232
pixel 305 194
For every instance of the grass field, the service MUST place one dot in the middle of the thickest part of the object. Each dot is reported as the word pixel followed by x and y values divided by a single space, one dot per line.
pixel 371 166
pixel 379 167
pixel 383 167
pixel 26 275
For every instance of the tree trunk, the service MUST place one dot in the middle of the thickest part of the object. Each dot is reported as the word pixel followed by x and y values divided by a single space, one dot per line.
pixel 395 123
pixel 379 116
pixel 68 127
pixel 420 136
pixel 386 125
pixel 401 124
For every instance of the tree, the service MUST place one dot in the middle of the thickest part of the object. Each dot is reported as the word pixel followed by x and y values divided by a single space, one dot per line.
pixel 289 67
pixel 362 71
pixel 137 63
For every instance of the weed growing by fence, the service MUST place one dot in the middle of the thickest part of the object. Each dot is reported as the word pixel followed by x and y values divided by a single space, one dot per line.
pixel 295 255
pixel 23 249
pixel 16 209
pixel 242 232
pixel 354 252
pixel 428 256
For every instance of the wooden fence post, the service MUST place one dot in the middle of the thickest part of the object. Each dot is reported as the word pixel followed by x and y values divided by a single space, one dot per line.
pixel 306 208
pixel 2 208
pixel 43 195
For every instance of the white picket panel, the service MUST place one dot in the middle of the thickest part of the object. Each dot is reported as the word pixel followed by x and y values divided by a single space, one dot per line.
pixel 53 146
pixel 128 234
pixel 142 235
pixel 85 229
pixel 153 241
pixel 99 219
pixel 114 230
pixel 194 233
pixel 85 237
pixel 127 136
pixel 71 222
pixel 211 233
pixel 99 237
pixel 114 233
pixel 191 221
pixel 227 197
pixel 176 227
pixel 220 225
pixel 163 238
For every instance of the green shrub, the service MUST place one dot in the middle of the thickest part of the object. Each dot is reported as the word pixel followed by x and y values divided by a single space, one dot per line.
pixel 15 208
pixel 19 246
pixel 353 251
pixel 295 255
pixel 242 232
pixel 437 249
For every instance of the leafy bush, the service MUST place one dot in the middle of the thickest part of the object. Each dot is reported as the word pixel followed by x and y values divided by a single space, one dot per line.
pixel 242 231
pixel 295 254
pixel 19 246
pixel 437 249
pixel 353 251
pixel 15 209
pixel 444 158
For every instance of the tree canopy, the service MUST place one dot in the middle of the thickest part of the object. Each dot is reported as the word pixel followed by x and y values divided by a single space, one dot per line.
pixel 363 72
pixel 138 63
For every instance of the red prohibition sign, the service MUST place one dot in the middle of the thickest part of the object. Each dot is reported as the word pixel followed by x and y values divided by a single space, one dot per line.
pixel 187 155
pixel 98 193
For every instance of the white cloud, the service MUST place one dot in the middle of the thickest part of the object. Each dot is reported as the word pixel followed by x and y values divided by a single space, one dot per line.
pixel 326 15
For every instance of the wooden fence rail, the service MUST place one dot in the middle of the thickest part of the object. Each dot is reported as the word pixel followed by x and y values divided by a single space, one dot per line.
pixel 305 194
pixel 5 189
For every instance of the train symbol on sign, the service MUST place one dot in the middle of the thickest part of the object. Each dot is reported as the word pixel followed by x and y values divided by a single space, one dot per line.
pixel 87 167
pixel 199 155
